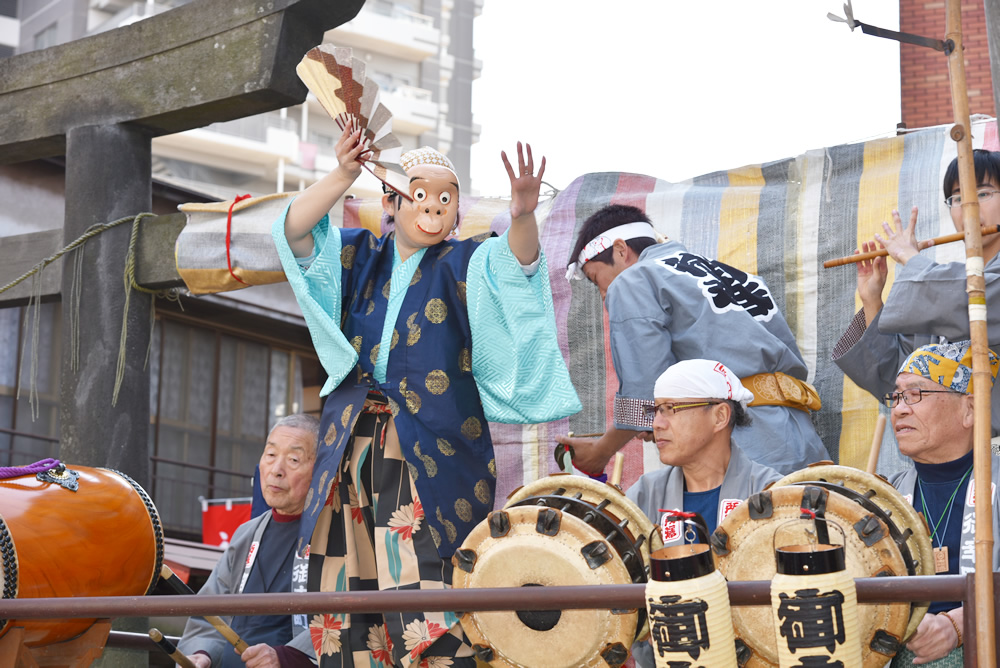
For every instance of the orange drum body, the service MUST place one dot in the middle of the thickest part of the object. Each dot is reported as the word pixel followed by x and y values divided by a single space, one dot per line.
pixel 102 539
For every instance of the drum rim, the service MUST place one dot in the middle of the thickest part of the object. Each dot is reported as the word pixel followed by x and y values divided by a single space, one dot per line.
pixel 637 570
pixel 154 520
pixel 643 525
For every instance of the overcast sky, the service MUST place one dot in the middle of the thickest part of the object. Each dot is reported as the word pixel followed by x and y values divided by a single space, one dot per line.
pixel 673 88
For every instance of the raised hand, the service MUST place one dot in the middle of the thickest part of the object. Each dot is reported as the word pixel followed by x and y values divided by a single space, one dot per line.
pixel 899 240
pixel 348 149
pixel 872 275
pixel 524 185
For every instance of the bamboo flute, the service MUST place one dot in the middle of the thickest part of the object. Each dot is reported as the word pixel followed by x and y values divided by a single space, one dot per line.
pixel 982 383
pixel 926 243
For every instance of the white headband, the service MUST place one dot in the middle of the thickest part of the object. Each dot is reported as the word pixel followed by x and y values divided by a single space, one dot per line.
pixel 701 379
pixel 604 241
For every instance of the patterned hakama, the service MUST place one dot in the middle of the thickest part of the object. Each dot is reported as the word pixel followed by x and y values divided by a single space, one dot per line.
pixel 372 535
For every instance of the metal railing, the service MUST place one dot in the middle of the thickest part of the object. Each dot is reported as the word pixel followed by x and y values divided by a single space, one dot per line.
pixel 630 596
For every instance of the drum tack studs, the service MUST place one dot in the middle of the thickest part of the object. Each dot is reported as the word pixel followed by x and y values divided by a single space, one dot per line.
pixel 615 655
pixel 483 652
pixel 548 522
pixel 869 530
pixel 465 560
pixel 499 524
pixel 596 554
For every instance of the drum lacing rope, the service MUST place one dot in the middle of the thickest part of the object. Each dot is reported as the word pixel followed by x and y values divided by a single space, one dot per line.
pixel 40 466
pixel 34 301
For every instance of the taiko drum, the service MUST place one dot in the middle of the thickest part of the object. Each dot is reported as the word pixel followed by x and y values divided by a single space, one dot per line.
pixel 75 531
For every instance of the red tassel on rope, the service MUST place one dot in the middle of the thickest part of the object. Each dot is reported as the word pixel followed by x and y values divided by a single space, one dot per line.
pixel 229 232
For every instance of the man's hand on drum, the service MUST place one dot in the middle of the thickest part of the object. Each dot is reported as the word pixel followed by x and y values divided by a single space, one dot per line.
pixel 591 455
pixel 935 637
pixel 200 660
pixel 872 275
pixel 260 656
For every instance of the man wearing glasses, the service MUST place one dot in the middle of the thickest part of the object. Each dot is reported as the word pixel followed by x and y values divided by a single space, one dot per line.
pixel 927 302
pixel 932 417
pixel 696 406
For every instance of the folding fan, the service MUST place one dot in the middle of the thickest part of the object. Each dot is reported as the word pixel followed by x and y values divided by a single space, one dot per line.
pixel 338 81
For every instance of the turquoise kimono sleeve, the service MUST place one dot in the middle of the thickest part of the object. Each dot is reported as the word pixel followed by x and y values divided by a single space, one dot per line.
pixel 516 361
pixel 318 291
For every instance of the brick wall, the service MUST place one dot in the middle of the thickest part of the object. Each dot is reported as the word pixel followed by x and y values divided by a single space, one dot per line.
pixel 925 90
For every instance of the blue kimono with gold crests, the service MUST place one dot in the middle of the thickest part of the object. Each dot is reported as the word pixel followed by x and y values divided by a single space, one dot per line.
pixel 474 341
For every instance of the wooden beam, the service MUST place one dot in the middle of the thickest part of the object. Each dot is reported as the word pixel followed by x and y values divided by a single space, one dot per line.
pixel 18 254
pixel 203 62
pixel 155 267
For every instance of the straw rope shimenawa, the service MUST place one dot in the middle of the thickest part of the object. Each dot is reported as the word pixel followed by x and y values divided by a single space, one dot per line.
pixel 34 301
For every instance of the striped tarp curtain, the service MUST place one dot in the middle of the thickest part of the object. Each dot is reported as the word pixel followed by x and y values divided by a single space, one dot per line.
pixel 780 220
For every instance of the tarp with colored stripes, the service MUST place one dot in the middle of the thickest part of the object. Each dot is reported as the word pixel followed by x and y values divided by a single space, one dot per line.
pixel 781 220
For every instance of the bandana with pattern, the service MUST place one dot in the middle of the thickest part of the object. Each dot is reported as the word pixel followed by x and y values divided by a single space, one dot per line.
pixel 947 364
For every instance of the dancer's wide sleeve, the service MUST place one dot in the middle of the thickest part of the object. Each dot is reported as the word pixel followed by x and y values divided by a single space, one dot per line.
pixel 319 291
pixel 519 369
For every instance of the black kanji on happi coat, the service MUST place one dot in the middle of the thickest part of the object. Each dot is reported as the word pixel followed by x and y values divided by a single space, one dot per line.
pixel 727 287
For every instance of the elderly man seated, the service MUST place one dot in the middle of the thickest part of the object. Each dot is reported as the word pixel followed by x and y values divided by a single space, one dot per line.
pixel 697 403
pixel 932 417
pixel 261 559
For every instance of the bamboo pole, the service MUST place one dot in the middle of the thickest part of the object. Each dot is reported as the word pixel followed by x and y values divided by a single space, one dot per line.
pixel 982 382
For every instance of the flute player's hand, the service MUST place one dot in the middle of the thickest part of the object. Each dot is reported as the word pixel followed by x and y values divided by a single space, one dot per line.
pixel 872 275
pixel 899 240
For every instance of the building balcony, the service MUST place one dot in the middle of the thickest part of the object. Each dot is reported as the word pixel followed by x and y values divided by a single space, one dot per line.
pixel 413 109
pixel 10 31
pixel 385 27
pixel 253 145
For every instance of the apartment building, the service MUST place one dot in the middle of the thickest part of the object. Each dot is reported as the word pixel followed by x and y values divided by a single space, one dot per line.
pixel 225 367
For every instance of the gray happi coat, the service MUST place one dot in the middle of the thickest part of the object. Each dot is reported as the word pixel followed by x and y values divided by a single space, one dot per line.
pixel 927 303
pixel 675 305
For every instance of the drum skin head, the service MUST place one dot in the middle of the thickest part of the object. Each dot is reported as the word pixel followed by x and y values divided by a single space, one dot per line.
pixel 891 501
pixel 528 555
pixel 744 546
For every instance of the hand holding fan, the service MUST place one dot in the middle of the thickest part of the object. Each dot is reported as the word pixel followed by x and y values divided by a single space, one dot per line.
pixel 338 81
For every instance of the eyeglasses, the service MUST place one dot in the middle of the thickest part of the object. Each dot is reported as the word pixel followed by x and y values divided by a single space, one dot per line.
pixel 956 200
pixel 911 396
pixel 667 409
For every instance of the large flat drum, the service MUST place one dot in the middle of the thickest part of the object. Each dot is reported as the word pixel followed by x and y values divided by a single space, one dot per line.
pixel 744 545
pixel 562 530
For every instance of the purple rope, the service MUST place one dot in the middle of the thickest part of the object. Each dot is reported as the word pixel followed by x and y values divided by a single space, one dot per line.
pixel 37 467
